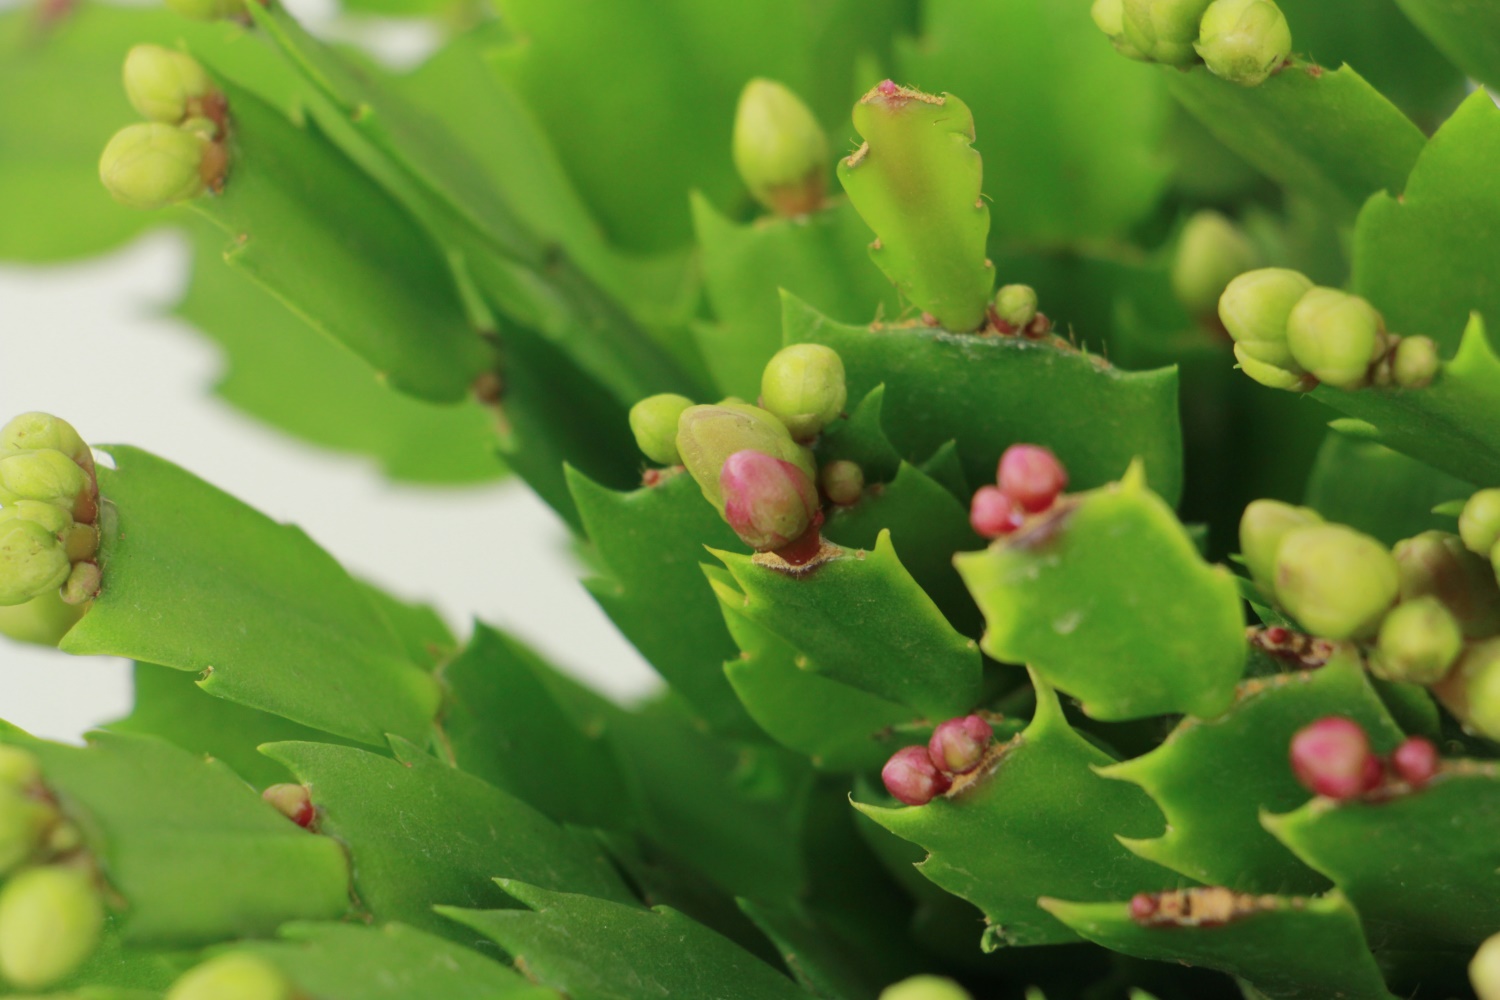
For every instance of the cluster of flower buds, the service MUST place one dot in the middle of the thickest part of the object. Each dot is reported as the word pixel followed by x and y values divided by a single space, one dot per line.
pixel 1029 481
pixel 49 507
pixel 780 150
pixel 1290 334
pixel 925 988
pixel 1211 252
pixel 1333 758
pixel 917 775
pixel 237 975
pixel 179 152
pixel 1014 313
pixel 1242 41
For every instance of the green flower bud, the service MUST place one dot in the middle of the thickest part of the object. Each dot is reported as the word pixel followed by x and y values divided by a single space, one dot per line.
pixel 208 10
pixel 1109 16
pixel 1262 527
pixel 43 431
pixel 49 516
pixel 236 976
pixel 1415 362
pixel 780 149
pixel 924 988
pixel 1272 376
pixel 1335 336
pixel 1164 30
pixel 1337 582
pixel 708 435
pixel 653 421
pixel 1484 970
pixel 50 921
pixel 1016 305
pixel 151 165
pixel 803 385
pixel 1471 691
pixel 1436 564
pixel 1244 41
pixel 1479 524
pixel 82 584
pixel 163 85
pixel 46 476
pixel 32 562
pixel 843 482
pixel 1419 641
pixel 1255 308
pixel 1211 252
pixel 19 769
pixel 41 621
pixel 24 822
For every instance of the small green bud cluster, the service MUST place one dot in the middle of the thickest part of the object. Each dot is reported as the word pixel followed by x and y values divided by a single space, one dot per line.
pixel 1211 252
pixel 179 152
pixel 49 502
pixel 235 976
pixel 780 150
pixel 1014 311
pixel 1242 41
pixel 1290 334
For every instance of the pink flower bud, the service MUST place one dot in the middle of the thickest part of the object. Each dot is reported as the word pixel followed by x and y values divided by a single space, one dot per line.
pixel 993 513
pixel 1416 761
pixel 769 503
pixel 1332 757
pixel 957 746
pixel 912 777
pixel 1032 476
pixel 1143 906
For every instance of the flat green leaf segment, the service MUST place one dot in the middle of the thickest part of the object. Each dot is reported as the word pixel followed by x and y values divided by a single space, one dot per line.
pixel 1381 492
pixel 1012 832
pixel 916 182
pixel 393 962
pixel 592 949
pixel 1422 868
pixel 860 438
pixel 1108 600
pixel 1452 425
pixel 651 542
pixel 434 834
pixel 823 964
pixel 1428 260
pixel 1288 948
pixel 285 373
pixel 989 393
pixel 859 618
pixel 196 580
pixel 1466 32
pixel 165 825
pixel 1326 133
pixel 1213 779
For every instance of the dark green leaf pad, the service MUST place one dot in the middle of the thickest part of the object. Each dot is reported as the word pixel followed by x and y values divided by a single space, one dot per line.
pixel 196 580
pixel 860 438
pixel 592 949
pixel 1468 33
pixel 434 833
pixel 1380 492
pixel 1011 831
pixel 859 618
pixel 826 965
pixel 990 392
pixel 164 824
pixel 1107 598
pixel 1422 866
pixel 1287 948
pixel 1213 778
pixel 424 635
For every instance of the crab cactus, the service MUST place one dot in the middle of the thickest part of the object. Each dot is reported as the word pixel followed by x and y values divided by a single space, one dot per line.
pixel 995 608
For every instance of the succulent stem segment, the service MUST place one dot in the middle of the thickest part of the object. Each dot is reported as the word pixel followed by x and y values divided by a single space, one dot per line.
pixel 916 181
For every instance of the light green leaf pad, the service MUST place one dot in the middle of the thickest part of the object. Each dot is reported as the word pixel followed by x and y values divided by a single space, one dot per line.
pixel 164 824
pixel 1422 867
pixel 392 962
pixel 1213 778
pixel 196 580
pixel 1428 259
pixel 1327 133
pixel 435 834
pixel 592 949
pixel 859 618
pixel 1288 948
pixel 991 392
pixel 1012 831
pixel 1107 598
pixel 1467 32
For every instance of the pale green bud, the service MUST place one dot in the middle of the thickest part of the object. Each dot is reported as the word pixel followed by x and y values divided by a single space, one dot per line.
pixel 843 481
pixel 151 165
pixel 41 621
pixel 32 562
pixel 1211 253
pixel 1484 969
pixel 1471 691
pixel 653 421
pixel 1255 308
pixel 163 85
pixel 1337 582
pixel 1109 16
pixel 1016 305
pixel 1415 362
pixel 208 10
pixel 82 584
pixel 1479 524
pixel 780 149
pixel 50 921
pixel 19 768
pixel 1436 564
pixel 1419 641
pixel 46 476
pixel 1272 376
pixel 1262 527
pixel 49 516
pixel 924 988
pixel 1164 30
pixel 804 387
pixel 24 822
pixel 236 976
pixel 1244 41
pixel 708 435
pixel 42 431
pixel 1335 336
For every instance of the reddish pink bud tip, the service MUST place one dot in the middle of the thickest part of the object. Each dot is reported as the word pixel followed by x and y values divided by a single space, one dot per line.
pixel 1276 635
pixel 1416 761
pixel 1032 476
pixel 958 745
pixel 888 88
pixel 292 801
pixel 911 776
pixel 1332 757
pixel 993 513
pixel 769 503
pixel 1143 907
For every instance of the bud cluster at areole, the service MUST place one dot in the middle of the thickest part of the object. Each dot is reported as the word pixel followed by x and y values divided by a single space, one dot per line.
pixel 1242 41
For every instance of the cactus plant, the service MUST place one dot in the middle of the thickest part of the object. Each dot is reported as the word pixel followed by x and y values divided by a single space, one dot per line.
pixel 1014 644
